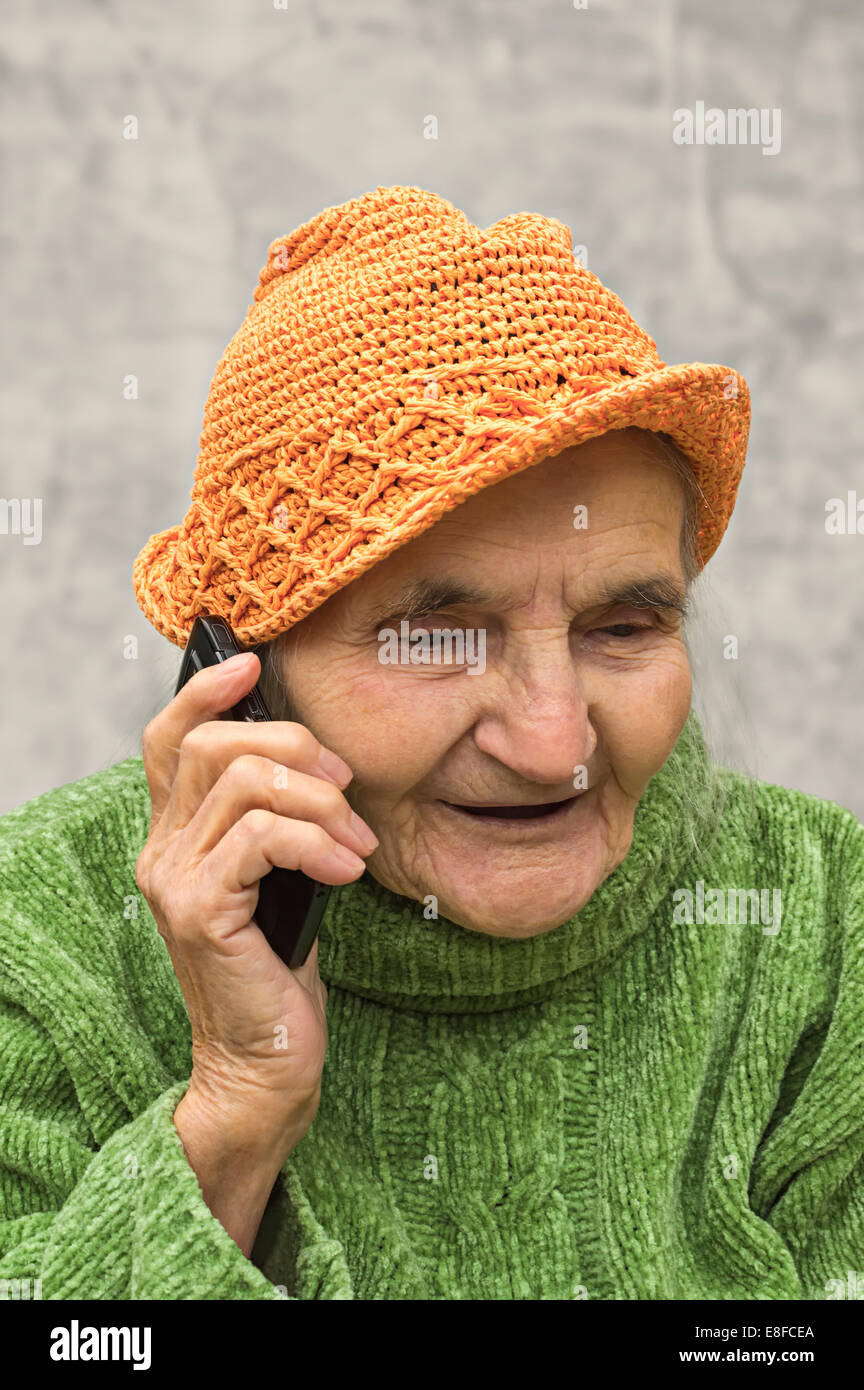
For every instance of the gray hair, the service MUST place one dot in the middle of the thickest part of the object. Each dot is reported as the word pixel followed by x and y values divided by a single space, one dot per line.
pixel 683 469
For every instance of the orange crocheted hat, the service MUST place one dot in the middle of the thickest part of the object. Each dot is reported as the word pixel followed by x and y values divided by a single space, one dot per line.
pixel 397 359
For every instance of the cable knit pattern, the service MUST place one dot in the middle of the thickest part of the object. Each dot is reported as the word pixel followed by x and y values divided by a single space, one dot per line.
pixel 628 1107
pixel 490 1196
pixel 396 360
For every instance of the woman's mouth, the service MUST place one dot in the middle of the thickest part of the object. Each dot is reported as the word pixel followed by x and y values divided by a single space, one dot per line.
pixel 515 815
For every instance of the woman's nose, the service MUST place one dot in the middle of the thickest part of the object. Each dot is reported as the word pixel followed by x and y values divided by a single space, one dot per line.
pixel 539 725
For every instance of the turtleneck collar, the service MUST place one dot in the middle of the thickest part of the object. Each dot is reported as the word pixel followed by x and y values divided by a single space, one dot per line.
pixel 377 943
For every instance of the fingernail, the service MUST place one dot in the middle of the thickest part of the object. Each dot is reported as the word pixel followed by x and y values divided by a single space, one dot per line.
pixel 364 833
pixel 235 659
pixel 333 767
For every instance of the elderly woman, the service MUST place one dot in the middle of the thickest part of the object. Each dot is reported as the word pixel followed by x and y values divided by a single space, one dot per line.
pixel 594 1005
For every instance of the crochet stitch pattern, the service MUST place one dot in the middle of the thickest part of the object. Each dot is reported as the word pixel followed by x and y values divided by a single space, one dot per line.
pixel 397 359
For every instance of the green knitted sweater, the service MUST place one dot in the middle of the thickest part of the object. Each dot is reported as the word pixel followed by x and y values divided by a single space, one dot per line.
pixel 653 1101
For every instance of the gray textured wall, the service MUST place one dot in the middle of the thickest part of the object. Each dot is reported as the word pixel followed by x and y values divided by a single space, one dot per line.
pixel 140 257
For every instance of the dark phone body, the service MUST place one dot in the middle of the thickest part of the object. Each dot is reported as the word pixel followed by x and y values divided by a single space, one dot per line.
pixel 290 905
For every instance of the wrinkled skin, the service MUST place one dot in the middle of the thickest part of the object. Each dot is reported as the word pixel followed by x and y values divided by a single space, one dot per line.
pixel 571 680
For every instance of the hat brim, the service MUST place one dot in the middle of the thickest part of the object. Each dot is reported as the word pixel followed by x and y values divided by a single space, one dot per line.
pixel 703 407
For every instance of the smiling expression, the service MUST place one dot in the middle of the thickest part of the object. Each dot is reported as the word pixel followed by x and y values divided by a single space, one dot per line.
pixel 509 792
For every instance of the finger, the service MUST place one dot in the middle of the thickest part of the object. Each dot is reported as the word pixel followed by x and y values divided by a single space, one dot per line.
pixel 210 692
pixel 258 842
pixel 209 750
pixel 251 780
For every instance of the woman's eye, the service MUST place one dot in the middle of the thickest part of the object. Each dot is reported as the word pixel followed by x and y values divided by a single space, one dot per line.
pixel 435 622
pixel 624 629
pixel 437 641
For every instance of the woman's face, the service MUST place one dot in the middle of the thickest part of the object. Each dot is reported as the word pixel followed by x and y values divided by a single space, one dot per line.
pixel 583 691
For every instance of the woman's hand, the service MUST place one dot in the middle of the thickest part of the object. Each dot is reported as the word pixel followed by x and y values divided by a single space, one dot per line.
pixel 229 800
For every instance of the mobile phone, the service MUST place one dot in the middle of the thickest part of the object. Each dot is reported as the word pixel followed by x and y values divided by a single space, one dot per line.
pixel 290 905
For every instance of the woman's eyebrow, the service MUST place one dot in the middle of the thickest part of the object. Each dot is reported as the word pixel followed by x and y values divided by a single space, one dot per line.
pixel 423 596
pixel 654 591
